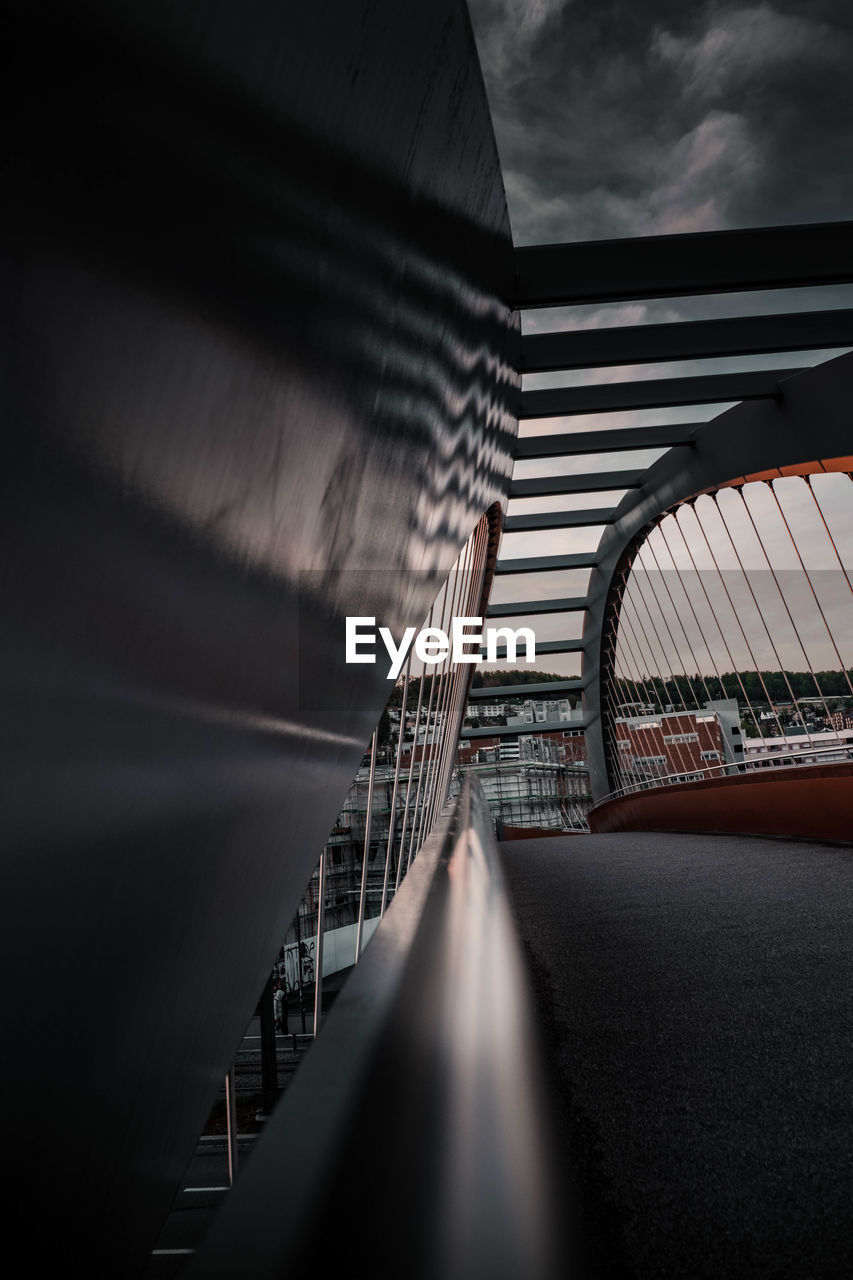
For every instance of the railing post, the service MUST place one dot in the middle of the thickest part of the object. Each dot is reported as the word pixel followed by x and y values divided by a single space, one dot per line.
pixel 269 1058
pixel 318 949
pixel 231 1124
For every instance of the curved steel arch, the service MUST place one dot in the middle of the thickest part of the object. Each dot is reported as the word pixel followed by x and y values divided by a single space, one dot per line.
pixel 808 420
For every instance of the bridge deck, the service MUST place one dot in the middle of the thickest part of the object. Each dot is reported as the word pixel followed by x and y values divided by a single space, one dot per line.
pixel 696 992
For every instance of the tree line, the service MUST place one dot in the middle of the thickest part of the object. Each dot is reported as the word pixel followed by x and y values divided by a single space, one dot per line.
pixel 777 686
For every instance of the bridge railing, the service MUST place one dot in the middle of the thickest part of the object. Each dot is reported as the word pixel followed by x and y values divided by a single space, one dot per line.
pixel 393 803
pixel 390 810
pixel 815 757
pixel 415 1131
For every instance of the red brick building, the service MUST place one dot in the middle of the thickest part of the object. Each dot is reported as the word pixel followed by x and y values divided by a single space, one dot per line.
pixel 660 746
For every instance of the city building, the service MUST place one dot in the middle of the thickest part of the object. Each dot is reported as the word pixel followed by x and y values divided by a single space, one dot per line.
pixel 680 745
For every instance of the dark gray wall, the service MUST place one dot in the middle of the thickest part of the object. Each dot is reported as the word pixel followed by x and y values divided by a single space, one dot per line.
pixel 809 420
pixel 257 376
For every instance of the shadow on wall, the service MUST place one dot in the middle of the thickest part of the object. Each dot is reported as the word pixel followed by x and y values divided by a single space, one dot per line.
pixel 253 323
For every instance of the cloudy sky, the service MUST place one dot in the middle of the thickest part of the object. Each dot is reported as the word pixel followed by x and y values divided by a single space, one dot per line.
pixel 640 117
pixel 653 117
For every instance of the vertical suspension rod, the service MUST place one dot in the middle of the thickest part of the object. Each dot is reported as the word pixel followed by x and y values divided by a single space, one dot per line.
pixel 318 949
pixel 365 855
pixel 436 798
pixel 686 766
pixel 811 588
pixel 680 753
pixel 421 771
pixel 770 701
pixel 808 481
pixel 392 819
pixel 410 784
pixel 677 614
pixel 448 717
pixel 704 638
pixel 618 658
pixel 614 762
pixel 716 619
pixel 440 683
pixel 760 613
pixel 632 649
pixel 460 682
pixel 662 613
pixel 784 600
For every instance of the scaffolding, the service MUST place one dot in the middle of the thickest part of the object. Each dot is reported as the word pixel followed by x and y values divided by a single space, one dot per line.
pixel 529 793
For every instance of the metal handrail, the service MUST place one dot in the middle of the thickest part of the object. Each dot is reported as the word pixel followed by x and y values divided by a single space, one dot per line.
pixel 735 768
pixel 416 1130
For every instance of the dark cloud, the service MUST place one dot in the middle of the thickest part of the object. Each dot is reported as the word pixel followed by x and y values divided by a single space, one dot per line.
pixel 631 118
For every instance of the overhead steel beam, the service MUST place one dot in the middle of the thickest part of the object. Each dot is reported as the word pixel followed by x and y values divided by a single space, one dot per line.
pixel 686 340
pixel 513 730
pixel 680 265
pixel 557 520
pixel 544 564
pixel 590 482
pixel 663 436
pixel 546 646
pixel 653 393
pixel 512 692
pixel 569 604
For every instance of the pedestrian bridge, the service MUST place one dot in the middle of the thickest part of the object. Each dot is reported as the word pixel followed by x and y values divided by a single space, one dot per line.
pixel 271 366
pixel 693 994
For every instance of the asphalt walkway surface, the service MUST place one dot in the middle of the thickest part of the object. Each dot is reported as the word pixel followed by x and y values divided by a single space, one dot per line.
pixel 697 998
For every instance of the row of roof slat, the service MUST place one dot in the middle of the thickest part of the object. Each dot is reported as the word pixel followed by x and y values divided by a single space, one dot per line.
pixel 571 444
pixel 518 692
pixel 589 482
pixel 542 520
pixel 530 608
pixel 674 266
pixel 644 269
pixel 546 564
pixel 686 340
pixel 653 393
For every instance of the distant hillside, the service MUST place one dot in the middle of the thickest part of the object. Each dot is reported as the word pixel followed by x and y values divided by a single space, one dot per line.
pixel 494 679
pixel 482 680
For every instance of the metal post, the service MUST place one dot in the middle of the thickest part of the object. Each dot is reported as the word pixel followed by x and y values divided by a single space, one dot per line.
pixel 393 805
pixel 409 784
pixel 231 1124
pixel 299 968
pixel 365 857
pixel 269 1060
pixel 318 949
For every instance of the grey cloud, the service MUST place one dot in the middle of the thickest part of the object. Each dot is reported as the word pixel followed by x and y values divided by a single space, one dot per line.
pixel 742 48
pixel 626 119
